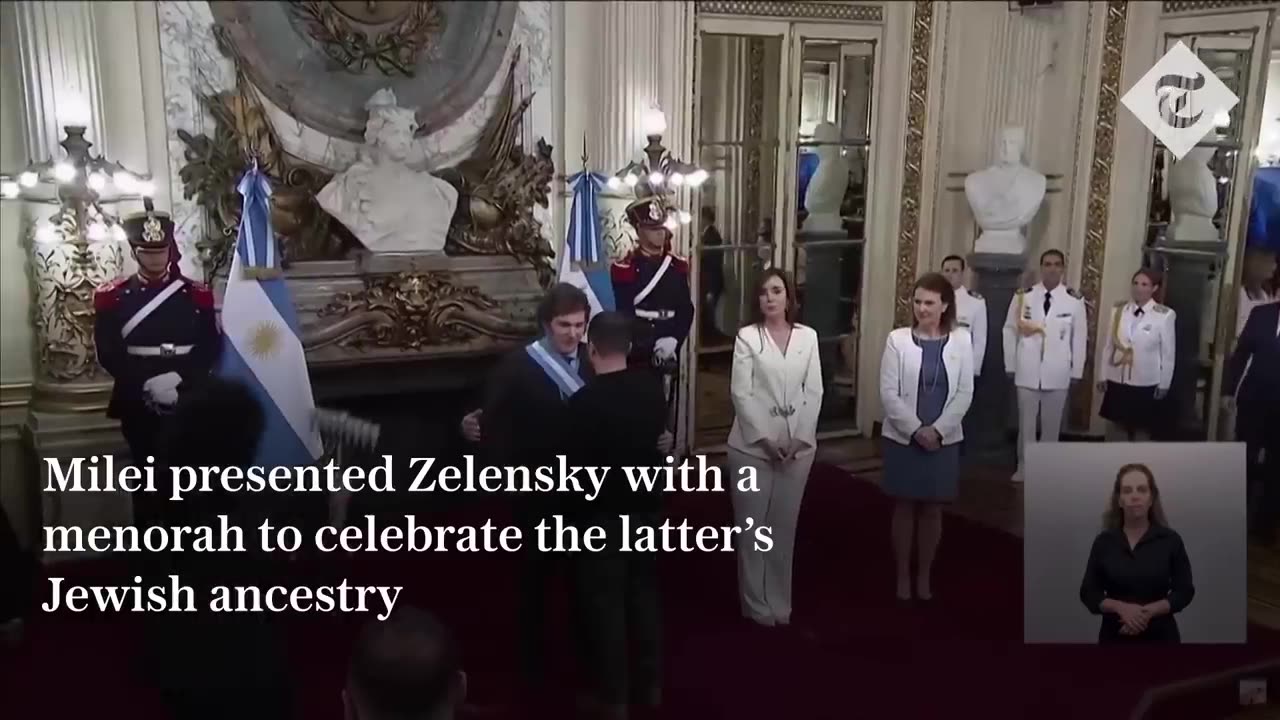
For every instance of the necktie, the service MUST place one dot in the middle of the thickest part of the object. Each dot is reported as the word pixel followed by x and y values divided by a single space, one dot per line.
pixel 1048 300
pixel 1137 312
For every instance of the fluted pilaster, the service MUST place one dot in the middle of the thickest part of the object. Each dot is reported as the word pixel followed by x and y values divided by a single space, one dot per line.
pixel 57 49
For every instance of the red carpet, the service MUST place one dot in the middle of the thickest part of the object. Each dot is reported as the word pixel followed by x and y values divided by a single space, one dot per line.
pixel 854 652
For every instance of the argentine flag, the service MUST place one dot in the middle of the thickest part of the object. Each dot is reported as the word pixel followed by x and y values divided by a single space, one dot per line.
pixel 261 346
pixel 583 262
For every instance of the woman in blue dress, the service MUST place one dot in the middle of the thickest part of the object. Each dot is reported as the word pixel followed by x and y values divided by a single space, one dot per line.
pixel 926 385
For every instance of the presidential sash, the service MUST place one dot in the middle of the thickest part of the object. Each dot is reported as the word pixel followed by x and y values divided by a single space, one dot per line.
pixel 556 368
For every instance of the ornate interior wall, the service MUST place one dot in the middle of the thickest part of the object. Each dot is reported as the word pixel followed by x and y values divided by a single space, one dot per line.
pixel 193 67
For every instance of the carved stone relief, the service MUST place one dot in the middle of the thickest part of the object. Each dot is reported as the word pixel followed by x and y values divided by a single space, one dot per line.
pixel 320 61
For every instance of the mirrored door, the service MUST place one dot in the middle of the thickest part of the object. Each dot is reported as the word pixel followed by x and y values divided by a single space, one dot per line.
pixel 829 160
pixel 741 70
pixel 1197 214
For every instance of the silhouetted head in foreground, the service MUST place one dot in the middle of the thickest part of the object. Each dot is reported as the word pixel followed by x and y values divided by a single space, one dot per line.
pixel 404 668
pixel 218 423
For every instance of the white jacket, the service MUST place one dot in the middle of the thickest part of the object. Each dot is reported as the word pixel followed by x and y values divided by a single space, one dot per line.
pixel 1051 353
pixel 1145 354
pixel 900 384
pixel 775 396
pixel 971 313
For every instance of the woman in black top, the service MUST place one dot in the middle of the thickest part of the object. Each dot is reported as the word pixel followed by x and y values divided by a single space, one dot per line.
pixel 1138 574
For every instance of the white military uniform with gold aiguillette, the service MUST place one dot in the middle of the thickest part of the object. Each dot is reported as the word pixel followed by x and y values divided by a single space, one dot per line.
pixel 971 314
pixel 1044 349
pixel 1139 353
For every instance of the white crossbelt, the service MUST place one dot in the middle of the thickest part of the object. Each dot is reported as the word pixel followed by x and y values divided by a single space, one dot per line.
pixel 653 281
pixel 166 350
pixel 150 307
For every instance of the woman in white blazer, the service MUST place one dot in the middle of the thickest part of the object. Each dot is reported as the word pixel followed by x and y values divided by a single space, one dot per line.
pixel 926 385
pixel 777 394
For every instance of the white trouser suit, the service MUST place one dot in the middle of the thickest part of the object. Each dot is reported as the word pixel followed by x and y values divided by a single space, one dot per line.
pixel 776 396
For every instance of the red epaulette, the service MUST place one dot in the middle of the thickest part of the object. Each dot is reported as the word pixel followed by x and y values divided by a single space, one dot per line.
pixel 106 295
pixel 201 295
pixel 622 270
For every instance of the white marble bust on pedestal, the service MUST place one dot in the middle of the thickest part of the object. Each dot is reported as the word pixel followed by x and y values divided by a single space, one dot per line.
pixel 825 193
pixel 1005 197
pixel 387 205
pixel 1193 198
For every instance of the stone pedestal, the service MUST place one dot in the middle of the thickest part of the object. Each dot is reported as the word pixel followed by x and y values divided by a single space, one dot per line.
pixel 987 424
pixel 1191 271
pixel 827 307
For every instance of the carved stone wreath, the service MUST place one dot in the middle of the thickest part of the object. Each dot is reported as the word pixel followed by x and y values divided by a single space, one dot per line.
pixel 394 51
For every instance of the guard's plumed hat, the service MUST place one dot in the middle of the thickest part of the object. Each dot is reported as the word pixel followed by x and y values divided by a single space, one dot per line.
pixel 149 230
pixel 647 212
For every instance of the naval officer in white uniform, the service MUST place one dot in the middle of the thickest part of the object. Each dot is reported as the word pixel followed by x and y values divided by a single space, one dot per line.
pixel 1044 351
pixel 971 309
pixel 1138 361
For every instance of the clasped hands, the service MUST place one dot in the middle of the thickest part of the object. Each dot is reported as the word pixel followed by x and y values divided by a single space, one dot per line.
pixel 928 437
pixel 781 453
pixel 1134 618
pixel 162 390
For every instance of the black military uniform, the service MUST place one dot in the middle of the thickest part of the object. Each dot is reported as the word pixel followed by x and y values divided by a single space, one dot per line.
pixel 654 289
pixel 152 327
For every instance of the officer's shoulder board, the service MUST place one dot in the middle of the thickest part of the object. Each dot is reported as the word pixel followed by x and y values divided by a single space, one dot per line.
pixel 680 263
pixel 1120 304
pixel 1022 291
pixel 106 295
pixel 201 294
pixel 1162 309
pixel 974 295
pixel 1074 293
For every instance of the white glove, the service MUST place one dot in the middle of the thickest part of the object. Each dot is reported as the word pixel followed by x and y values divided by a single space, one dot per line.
pixel 664 349
pixel 163 389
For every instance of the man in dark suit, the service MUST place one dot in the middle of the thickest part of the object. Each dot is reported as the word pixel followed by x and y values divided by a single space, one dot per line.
pixel 1253 389
pixel 524 412
pixel 623 412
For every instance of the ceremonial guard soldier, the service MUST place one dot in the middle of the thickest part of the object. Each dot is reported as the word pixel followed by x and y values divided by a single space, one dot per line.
pixel 1044 351
pixel 651 284
pixel 155 331
pixel 971 309
pixel 1139 356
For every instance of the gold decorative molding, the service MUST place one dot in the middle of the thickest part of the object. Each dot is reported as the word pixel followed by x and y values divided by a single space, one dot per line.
pixel 1171 7
pixel 917 106
pixel 834 11
pixel 410 311
pixel 1095 241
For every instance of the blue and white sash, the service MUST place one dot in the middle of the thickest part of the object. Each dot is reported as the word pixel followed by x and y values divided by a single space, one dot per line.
pixel 556 368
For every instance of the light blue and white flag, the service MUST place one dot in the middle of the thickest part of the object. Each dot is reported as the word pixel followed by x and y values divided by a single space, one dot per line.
pixel 583 261
pixel 261 346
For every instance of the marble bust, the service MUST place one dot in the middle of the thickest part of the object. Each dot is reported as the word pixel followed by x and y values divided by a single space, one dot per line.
pixel 388 206
pixel 825 194
pixel 1193 197
pixel 1005 197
